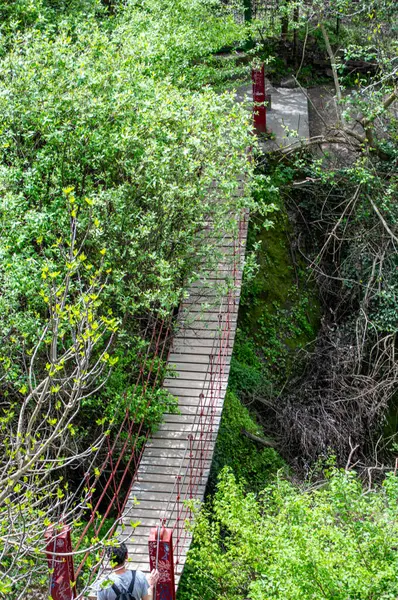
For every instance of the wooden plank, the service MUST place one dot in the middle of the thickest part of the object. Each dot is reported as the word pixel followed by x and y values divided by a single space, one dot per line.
pixel 177 435
pixel 144 530
pixel 197 326
pixel 187 370
pixel 199 346
pixel 193 357
pixel 214 376
pixel 191 410
pixel 133 537
pixel 139 548
pixel 155 509
pixel 171 475
pixel 197 295
pixel 172 444
pixel 205 383
pixel 190 428
pixel 191 375
pixel 193 426
pixel 180 419
pixel 196 488
pixel 225 282
pixel 193 343
pixel 172 462
pixel 163 477
pixel 141 562
pixel 155 515
pixel 184 434
pixel 198 320
pixel 210 398
pixel 196 314
pixel 156 489
pixel 165 453
pixel 217 391
pixel 201 376
pixel 198 306
pixel 211 337
pixel 186 387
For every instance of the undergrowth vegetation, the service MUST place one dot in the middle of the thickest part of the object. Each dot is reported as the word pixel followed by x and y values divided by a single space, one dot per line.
pixel 327 541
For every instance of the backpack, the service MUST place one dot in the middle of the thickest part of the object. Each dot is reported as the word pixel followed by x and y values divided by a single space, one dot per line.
pixel 122 594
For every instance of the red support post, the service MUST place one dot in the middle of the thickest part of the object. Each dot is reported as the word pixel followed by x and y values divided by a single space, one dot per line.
pixel 160 546
pixel 259 110
pixel 62 578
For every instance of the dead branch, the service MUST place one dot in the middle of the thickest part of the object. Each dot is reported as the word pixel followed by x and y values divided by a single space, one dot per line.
pixel 259 440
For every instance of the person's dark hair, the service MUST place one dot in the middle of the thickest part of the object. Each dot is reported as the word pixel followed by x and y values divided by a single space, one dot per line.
pixel 117 554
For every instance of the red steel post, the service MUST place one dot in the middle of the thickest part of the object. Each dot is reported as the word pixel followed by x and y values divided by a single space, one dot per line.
pixel 160 546
pixel 259 110
pixel 62 582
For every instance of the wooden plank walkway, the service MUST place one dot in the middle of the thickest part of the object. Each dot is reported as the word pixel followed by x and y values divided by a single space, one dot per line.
pixel 184 444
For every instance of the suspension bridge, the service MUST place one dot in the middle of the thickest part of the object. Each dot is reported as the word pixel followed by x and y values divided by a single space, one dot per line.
pixel 175 464
pixel 166 473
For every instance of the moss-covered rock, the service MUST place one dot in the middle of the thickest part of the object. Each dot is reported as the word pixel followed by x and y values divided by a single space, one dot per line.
pixel 280 311
pixel 247 459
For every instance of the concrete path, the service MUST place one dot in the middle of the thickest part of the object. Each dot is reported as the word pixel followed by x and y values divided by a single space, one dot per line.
pixel 287 119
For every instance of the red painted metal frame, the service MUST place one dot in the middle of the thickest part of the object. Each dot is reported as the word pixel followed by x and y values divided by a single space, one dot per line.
pixel 160 546
pixel 188 482
pixel 60 563
pixel 259 109
pixel 134 431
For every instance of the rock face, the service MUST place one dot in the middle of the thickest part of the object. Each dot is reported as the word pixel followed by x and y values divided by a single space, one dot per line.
pixel 288 82
pixel 269 88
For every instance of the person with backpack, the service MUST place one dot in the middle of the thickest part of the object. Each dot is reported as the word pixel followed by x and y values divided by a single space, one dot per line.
pixel 122 583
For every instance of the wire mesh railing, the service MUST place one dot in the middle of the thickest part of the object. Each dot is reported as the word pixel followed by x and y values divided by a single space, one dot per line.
pixel 124 448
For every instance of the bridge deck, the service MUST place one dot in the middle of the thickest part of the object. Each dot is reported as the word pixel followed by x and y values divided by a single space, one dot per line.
pixel 200 354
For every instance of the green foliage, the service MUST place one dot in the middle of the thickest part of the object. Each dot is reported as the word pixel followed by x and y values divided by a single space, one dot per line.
pixel 176 39
pixel 247 459
pixel 333 541
pixel 105 152
pixel 19 16
pixel 246 375
pixel 96 113
pixel 94 539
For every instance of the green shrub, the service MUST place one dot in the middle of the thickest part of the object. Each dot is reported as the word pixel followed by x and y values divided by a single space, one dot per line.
pixel 337 542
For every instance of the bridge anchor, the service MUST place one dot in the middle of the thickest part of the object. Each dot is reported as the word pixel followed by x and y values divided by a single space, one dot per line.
pixel 60 563
pixel 160 546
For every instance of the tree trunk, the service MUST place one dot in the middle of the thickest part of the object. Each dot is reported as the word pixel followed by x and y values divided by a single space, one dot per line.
pixel 284 28
pixel 296 15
